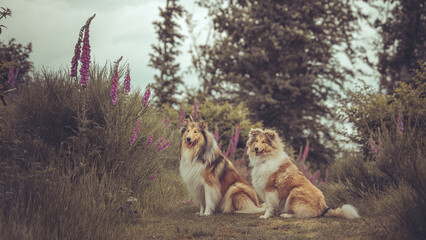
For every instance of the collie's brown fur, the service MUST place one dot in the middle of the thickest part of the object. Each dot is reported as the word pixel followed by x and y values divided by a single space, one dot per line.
pixel 281 185
pixel 210 177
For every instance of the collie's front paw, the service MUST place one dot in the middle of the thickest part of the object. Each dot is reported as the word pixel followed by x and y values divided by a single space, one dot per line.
pixel 264 217
pixel 286 215
pixel 207 213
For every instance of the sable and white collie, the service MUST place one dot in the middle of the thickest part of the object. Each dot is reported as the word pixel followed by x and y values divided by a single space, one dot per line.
pixel 284 189
pixel 211 178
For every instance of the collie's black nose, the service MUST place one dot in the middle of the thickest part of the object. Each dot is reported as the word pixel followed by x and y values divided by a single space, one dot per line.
pixel 256 149
pixel 188 139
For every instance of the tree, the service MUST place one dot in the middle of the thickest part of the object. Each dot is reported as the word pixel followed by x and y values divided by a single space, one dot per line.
pixel 15 55
pixel 403 35
pixel 168 81
pixel 278 57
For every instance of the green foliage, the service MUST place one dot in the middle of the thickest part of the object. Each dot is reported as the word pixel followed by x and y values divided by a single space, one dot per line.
pixel 17 56
pixel 278 57
pixel 168 81
pixel 68 169
pixel 389 180
pixel 370 111
pixel 401 26
pixel 4 12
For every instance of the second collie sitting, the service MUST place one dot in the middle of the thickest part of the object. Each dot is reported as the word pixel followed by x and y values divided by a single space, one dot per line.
pixel 211 178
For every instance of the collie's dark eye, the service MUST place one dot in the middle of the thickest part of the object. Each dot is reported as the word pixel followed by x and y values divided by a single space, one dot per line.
pixel 263 141
pixel 195 131
pixel 256 140
pixel 187 130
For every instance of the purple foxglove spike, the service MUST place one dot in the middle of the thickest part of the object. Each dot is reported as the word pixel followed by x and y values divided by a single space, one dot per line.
pixel 400 122
pixel 306 152
pixel 195 109
pixel 300 156
pixel 10 77
pixel 146 96
pixel 151 138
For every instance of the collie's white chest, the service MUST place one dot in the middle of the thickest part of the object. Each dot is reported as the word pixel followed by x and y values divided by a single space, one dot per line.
pixel 191 173
pixel 260 175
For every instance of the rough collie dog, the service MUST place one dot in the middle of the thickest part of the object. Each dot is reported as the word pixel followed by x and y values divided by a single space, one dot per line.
pixel 210 177
pixel 284 189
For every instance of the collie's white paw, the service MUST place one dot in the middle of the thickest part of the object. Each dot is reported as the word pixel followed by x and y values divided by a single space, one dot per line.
pixel 207 213
pixel 286 215
pixel 264 217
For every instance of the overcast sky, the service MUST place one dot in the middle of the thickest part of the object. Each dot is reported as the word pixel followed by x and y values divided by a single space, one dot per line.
pixel 120 28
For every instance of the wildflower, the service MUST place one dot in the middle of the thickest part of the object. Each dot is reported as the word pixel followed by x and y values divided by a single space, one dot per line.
pixel 133 138
pixel 77 52
pixel 305 153
pixel 114 87
pixel 151 138
pixel 235 140
pixel 127 81
pixel 188 202
pixel 181 116
pixel 195 110
pixel 10 77
pixel 164 146
pixel 373 146
pixel 146 96
pixel 85 55
pixel 153 177
pixel 400 123
pixel 216 134
pixel 159 142
pixel 138 126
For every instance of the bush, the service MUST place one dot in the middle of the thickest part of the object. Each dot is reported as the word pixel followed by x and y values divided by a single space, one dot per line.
pixel 387 179
pixel 74 166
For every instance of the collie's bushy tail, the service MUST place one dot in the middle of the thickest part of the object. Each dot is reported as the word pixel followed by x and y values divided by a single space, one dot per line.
pixel 346 211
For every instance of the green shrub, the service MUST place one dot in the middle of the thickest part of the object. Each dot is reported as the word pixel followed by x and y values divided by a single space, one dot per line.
pixel 70 168
pixel 387 179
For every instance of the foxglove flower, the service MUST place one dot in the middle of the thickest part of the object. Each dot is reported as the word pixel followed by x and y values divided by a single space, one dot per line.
pixel 146 96
pixel 153 177
pixel 10 77
pixel 159 142
pixel 164 146
pixel 114 87
pixel 216 135
pixel 85 55
pixel 151 138
pixel 133 138
pixel 77 53
pixel 373 146
pixel 181 116
pixel 195 110
pixel 127 81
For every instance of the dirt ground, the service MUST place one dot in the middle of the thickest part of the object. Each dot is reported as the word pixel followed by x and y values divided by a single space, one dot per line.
pixel 181 222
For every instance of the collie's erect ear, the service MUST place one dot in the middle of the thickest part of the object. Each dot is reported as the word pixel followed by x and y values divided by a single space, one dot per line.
pixel 188 118
pixel 203 124
pixel 254 132
pixel 186 122
pixel 271 135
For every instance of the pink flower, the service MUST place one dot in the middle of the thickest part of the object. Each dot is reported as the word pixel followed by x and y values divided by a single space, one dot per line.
pixel 305 153
pixel 138 126
pixel 164 146
pixel 151 138
pixel 181 116
pixel 127 81
pixel 153 177
pixel 85 56
pixel 373 146
pixel 195 110
pixel 10 77
pixel 77 52
pixel 114 87
pixel 216 135
pixel 146 96
pixel 235 140
pixel 133 138
pixel 159 143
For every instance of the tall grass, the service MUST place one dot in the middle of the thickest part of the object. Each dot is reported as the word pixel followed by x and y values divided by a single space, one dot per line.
pixel 68 167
